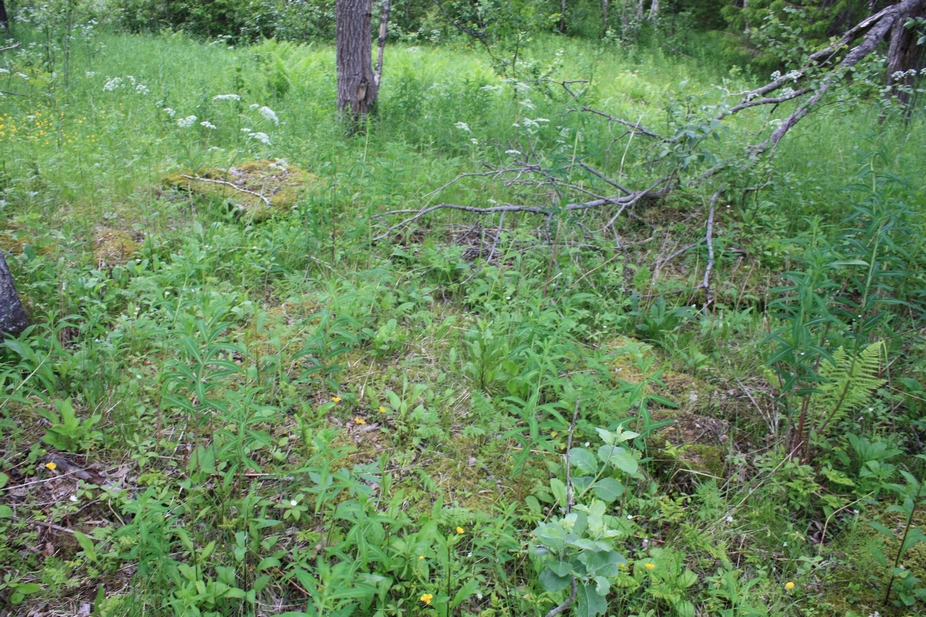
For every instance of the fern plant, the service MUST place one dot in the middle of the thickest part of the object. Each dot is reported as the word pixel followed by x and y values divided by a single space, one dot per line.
pixel 851 378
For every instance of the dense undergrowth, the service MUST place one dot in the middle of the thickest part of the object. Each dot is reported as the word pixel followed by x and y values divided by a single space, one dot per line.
pixel 214 415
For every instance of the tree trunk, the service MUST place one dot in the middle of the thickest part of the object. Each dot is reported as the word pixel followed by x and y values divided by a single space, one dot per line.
pixel 654 11
pixel 902 56
pixel 383 31
pixel 357 87
pixel 4 20
pixel 604 18
pixel 13 319
pixel 562 17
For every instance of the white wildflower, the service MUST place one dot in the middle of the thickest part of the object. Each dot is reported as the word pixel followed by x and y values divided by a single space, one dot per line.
pixel 226 97
pixel 170 112
pixel 269 114
pixel 463 127
pixel 293 503
pixel 141 89
pixel 187 122
pixel 261 137
pixel 89 74
pixel 253 106
pixel 207 124
pixel 112 84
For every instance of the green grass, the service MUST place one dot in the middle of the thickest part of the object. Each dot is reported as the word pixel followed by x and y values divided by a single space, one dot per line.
pixel 294 418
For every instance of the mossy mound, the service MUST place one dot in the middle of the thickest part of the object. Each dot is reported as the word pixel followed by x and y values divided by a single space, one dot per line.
pixel 692 442
pixel 112 247
pixel 258 189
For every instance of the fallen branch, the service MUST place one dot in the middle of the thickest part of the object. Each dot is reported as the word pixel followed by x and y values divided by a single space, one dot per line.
pixel 709 238
pixel 231 184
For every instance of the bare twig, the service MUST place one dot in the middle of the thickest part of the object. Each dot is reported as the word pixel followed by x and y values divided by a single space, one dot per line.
pixel 562 607
pixel 231 184
pixel 14 46
pixel 709 238
pixel 635 126
pixel 43 524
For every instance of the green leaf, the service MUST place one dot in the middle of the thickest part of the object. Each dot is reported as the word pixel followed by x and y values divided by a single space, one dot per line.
pixel 584 460
pixel 552 536
pixel 619 457
pixel 467 590
pixel 608 489
pixel 558 488
pixel 560 568
pixel 602 586
pixel 6 511
pixel 87 544
pixel 589 602
pixel 884 530
pixel 553 582
pixel 684 608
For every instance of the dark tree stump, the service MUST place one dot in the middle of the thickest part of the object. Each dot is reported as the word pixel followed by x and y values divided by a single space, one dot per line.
pixel 13 319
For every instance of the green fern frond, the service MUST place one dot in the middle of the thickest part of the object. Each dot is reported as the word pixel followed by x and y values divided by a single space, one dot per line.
pixel 850 383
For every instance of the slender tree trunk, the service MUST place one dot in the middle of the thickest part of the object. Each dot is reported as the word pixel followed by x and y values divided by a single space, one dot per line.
pixel 562 17
pixel 604 18
pixel 357 87
pixel 4 20
pixel 653 11
pixel 13 319
pixel 902 56
pixel 383 30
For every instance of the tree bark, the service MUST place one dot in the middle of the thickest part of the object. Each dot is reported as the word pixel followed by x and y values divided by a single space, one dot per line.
pixel 4 20
pixel 383 31
pixel 357 87
pixel 13 319
pixel 562 17
pixel 903 55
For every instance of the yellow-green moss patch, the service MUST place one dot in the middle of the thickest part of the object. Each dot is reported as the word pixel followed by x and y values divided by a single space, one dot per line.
pixel 112 247
pixel 258 189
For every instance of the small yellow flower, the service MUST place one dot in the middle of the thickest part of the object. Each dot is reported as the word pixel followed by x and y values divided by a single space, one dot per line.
pixel 336 399
pixel 382 410
pixel 420 557
pixel 789 585
pixel 649 566
pixel 426 598
pixel 359 420
pixel 460 530
pixel 51 466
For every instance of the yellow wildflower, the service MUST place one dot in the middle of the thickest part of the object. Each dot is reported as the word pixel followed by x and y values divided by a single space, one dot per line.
pixel 426 598
pixel 336 399
pixel 649 566
pixel 460 530
pixel 51 466
pixel 382 410
pixel 420 557
pixel 789 585
pixel 360 420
